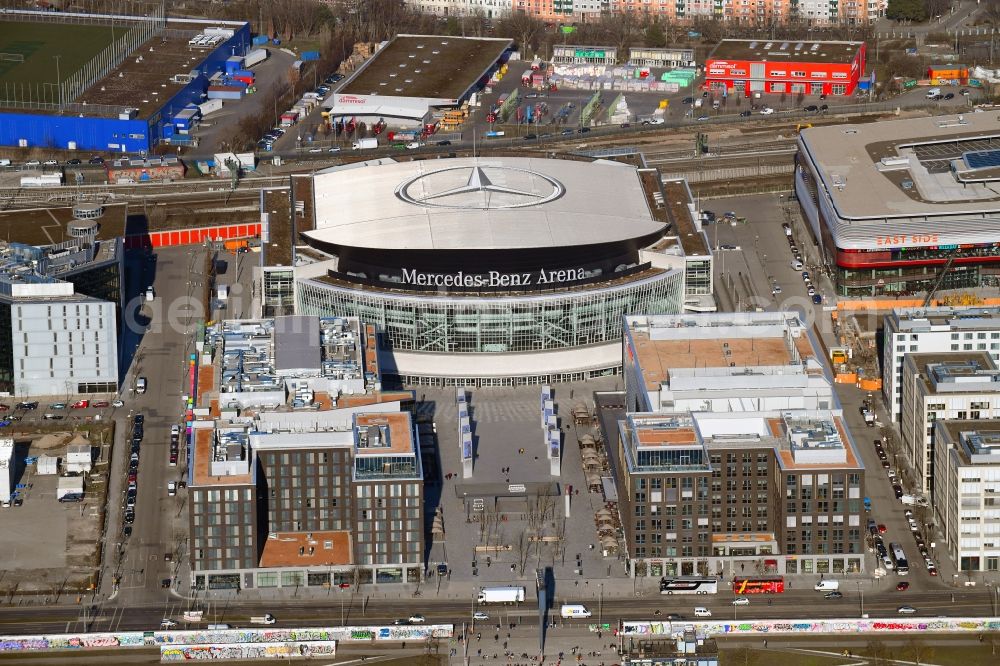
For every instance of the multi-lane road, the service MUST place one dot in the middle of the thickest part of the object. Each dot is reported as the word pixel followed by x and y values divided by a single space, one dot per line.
pixel 348 608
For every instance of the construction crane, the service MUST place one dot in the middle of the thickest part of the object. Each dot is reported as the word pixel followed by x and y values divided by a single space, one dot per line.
pixel 940 278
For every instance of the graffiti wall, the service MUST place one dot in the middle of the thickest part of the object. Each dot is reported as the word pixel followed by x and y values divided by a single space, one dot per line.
pixel 225 637
pixel 848 626
pixel 243 651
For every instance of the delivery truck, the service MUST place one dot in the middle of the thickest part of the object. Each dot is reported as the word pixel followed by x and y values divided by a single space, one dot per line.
pixel 364 144
pixel 827 586
pixel 501 595
pixel 574 610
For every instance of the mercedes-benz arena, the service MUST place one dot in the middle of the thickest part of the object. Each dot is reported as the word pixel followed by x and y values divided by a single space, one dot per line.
pixel 497 271
pixel 899 207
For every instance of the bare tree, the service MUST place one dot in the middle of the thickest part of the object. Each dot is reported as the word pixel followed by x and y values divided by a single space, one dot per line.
pixel 918 651
pixel 522 548
pixel 524 29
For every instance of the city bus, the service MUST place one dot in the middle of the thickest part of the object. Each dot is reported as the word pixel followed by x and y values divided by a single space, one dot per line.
pixel 899 558
pixel 689 585
pixel 759 585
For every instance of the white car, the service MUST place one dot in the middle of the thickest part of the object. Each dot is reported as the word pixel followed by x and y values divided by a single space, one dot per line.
pixel 480 615
pixel 149 293
pixel 335 149
pixel 906 610
pixel 766 111
pixel 32 163
pixel 167 623
pixel 741 601
pixel 417 618
pixel 50 163
pixel 117 402
pixel 413 145
pixel 171 488
pixel 656 121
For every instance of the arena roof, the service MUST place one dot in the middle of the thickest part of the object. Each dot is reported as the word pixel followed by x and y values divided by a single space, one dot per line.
pixel 481 203
pixel 863 168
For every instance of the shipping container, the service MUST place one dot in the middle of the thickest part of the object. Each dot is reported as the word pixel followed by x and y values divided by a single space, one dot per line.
pixel 245 80
pixel 233 63
pixel 211 106
pixel 309 55
pixel 243 72
pixel 260 40
pixel 289 118
pixel 226 92
pixel 255 57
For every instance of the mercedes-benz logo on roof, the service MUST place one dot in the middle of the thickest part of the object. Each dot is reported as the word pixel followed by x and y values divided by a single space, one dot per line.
pixel 480 187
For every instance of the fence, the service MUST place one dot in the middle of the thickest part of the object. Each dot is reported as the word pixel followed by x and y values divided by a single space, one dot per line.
pixel 733 173
pixel 54 97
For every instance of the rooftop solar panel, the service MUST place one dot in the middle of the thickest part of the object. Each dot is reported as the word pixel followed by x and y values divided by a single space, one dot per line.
pixel 982 159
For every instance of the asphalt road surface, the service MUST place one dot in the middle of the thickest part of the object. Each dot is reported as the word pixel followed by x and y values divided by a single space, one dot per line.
pixel 321 612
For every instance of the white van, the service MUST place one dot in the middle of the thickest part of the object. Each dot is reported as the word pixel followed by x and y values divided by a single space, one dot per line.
pixel 218 627
pixel 574 610
pixel 701 611
pixel 932 93
pixel 827 586
pixel 140 385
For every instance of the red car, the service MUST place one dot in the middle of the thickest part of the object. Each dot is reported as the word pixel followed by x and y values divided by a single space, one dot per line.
pixel 101 404
pixel 882 529
pixel 4 408
pixel 80 404
pixel 902 586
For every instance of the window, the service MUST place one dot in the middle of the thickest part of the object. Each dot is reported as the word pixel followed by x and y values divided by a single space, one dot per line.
pixel 798 73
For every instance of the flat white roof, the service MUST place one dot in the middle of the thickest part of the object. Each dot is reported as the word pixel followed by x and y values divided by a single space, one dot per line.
pixel 481 203
pixel 847 157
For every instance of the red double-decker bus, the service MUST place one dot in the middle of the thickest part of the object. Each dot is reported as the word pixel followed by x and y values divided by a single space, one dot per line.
pixel 762 585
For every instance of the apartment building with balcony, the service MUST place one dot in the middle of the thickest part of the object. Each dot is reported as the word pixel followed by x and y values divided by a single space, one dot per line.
pixel 734 457
pixel 303 471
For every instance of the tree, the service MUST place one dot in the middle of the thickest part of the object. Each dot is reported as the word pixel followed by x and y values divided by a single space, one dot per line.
pixel 524 29
pixel 906 10
pixel 918 651
pixel 655 38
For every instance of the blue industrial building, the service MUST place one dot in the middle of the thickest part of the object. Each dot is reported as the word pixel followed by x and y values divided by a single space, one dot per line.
pixel 125 132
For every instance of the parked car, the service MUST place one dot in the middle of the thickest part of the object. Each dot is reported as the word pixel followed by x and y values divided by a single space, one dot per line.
pixel 117 402
pixel 480 615
pixel 57 405
pixel 100 404
pixel 833 595
pixel 80 404
pixel 950 96
pixel 906 610
pixel 746 114
pixel 766 111
pixel 741 601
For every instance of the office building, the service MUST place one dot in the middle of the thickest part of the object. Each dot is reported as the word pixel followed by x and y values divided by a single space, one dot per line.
pixel 904 206
pixel 745 480
pixel 313 469
pixel 967 493
pixel 59 315
pixel 933 330
pixel 939 387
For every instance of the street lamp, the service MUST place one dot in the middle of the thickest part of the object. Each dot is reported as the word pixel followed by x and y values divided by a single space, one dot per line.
pixel 600 607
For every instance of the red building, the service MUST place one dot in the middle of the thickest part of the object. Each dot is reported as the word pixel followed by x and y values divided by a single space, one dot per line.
pixel 744 67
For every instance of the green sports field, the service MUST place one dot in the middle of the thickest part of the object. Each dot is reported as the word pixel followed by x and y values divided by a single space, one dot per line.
pixel 39 43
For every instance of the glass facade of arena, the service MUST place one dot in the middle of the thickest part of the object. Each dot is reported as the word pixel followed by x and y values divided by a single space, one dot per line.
pixel 516 323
